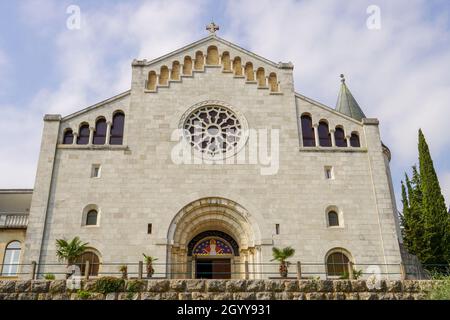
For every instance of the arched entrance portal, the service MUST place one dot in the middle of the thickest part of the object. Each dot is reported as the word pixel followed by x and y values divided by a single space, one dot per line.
pixel 213 238
pixel 213 254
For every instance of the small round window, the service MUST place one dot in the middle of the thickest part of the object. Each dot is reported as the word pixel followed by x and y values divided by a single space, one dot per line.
pixel 214 131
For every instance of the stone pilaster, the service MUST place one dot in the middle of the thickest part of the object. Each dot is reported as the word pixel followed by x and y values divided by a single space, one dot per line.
pixel 42 189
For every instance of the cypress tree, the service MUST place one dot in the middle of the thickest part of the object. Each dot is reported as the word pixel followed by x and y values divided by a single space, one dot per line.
pixel 436 220
pixel 406 220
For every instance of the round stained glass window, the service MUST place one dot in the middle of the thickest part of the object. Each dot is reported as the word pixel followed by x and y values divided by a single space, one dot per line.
pixel 214 130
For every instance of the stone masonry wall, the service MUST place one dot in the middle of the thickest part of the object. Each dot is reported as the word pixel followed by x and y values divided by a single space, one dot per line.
pixel 220 290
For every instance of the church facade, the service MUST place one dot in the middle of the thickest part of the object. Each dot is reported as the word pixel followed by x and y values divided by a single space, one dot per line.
pixel 209 161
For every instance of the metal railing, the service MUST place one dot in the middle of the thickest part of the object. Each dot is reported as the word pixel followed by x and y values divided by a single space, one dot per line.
pixel 227 270
pixel 13 220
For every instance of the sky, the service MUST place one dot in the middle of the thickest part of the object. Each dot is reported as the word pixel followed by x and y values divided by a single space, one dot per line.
pixel 399 72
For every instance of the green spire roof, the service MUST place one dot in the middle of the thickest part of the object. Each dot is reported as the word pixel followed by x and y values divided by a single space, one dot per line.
pixel 346 104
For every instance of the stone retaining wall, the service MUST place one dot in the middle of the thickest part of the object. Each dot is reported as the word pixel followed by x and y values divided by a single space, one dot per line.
pixel 219 290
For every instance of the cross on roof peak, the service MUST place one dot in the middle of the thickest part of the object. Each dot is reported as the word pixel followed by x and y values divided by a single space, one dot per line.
pixel 212 27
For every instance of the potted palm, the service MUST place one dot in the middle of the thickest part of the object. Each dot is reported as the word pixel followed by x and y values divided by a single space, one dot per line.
pixel 282 255
pixel 149 264
pixel 69 251
pixel 124 270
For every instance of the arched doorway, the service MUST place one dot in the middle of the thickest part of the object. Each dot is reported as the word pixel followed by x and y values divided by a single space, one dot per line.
pixel 213 254
pixel 233 232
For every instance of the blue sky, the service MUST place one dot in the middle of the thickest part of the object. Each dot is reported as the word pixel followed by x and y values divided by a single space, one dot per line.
pixel 399 74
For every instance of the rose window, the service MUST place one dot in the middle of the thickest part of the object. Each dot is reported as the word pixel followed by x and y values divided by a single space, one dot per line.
pixel 213 130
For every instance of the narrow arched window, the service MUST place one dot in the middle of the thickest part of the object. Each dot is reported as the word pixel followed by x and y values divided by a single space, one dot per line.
pixel 117 129
pixel 339 137
pixel 308 131
pixel 237 66
pixel 354 140
pixel 151 81
pixel 187 66
pixel 249 73
pixel 337 264
pixel 94 263
pixel 199 60
pixel 91 218
pixel 333 219
pixel 212 56
pixel 324 134
pixel 175 74
pixel 100 132
pixel 261 77
pixel 226 63
pixel 11 259
pixel 68 137
pixel 83 134
pixel 273 82
pixel 164 76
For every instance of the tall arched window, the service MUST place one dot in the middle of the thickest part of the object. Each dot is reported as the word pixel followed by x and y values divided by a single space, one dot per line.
pixel 226 63
pixel 164 76
pixel 175 74
pixel 333 219
pixel 91 218
pixel 339 137
pixel 199 60
pixel 337 263
pixel 237 66
pixel 11 259
pixel 117 129
pixel 354 140
pixel 309 139
pixel 324 134
pixel 151 81
pixel 273 82
pixel 68 137
pixel 94 263
pixel 100 131
pixel 249 73
pixel 212 56
pixel 261 77
pixel 187 66
pixel 83 134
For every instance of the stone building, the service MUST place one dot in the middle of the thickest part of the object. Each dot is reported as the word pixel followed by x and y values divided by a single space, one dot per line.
pixel 209 161
pixel 14 211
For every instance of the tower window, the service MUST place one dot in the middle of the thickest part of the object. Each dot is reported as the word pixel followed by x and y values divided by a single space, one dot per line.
pixel 91 218
pixel 329 174
pixel 149 228
pixel 333 219
pixel 95 172
pixel 277 228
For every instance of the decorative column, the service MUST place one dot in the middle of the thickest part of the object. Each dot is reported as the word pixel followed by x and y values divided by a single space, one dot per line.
pixel 91 135
pixel 316 134
pixel 333 138
pixel 348 141
pixel 108 132
pixel 75 138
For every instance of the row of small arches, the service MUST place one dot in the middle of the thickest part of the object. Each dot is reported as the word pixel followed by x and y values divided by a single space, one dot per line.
pixel 213 58
pixel 103 132
pixel 320 135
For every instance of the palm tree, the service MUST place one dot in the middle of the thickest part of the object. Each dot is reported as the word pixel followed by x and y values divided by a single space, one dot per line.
pixel 149 263
pixel 282 255
pixel 69 251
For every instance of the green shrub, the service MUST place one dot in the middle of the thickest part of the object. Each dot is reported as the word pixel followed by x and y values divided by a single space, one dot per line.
pixel 49 276
pixel 440 291
pixel 83 295
pixel 135 286
pixel 107 285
